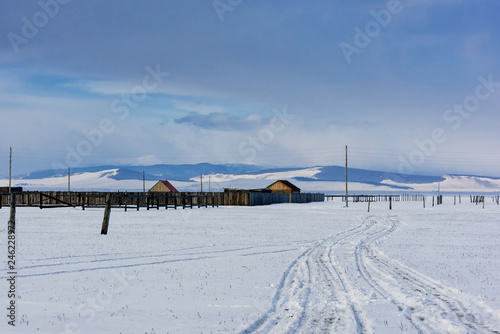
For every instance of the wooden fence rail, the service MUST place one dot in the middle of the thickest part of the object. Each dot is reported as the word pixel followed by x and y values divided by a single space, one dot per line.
pixel 137 200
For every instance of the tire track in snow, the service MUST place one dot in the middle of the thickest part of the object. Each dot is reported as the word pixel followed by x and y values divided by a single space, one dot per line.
pixel 429 305
pixel 171 252
pixel 343 285
pixel 313 296
pixel 70 267
pixel 112 259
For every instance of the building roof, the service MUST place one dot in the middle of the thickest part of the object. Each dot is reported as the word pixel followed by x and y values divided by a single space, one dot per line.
pixel 163 183
pixel 169 186
pixel 288 184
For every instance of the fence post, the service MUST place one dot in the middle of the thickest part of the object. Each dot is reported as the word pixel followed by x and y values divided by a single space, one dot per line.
pixel 40 197
pixel 107 213
pixel 12 220
pixel 368 205
pixel 390 202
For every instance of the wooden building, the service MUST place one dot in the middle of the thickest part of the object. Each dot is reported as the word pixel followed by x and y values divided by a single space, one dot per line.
pixel 260 190
pixel 284 187
pixel 5 190
pixel 163 187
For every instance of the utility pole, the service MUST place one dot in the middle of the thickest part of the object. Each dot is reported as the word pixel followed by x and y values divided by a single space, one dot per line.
pixel 69 179
pixel 346 198
pixel 201 181
pixel 10 174
pixel 143 181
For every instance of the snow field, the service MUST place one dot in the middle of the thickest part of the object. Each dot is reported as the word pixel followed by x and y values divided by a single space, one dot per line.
pixel 310 268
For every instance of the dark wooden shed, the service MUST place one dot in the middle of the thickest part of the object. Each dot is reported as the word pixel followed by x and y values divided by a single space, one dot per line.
pixel 284 187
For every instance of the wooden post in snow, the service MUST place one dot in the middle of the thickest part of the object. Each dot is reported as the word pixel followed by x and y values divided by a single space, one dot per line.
pixel 143 181
pixel 12 219
pixel 107 213
pixel 390 202
pixel 368 205
pixel 10 175
pixel 346 192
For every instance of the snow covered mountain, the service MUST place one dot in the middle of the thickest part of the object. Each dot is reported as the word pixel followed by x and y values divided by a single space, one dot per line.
pixel 217 177
pixel 155 172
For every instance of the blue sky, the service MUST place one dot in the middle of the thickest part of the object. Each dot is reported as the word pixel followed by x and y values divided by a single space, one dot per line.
pixel 268 82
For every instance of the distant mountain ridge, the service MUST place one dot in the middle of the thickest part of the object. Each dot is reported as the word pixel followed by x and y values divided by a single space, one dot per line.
pixel 182 172
pixel 186 177
pixel 186 172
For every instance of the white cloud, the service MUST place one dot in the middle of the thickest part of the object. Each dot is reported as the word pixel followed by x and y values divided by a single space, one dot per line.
pixel 102 87
pixel 200 108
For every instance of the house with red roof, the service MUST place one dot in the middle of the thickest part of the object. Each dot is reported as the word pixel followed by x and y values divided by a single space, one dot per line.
pixel 163 187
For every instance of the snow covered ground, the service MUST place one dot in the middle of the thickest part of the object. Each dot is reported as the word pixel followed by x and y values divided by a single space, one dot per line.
pixel 288 268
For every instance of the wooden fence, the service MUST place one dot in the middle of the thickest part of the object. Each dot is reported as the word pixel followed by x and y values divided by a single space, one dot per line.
pixel 131 200
pixel 367 198
pixel 256 198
